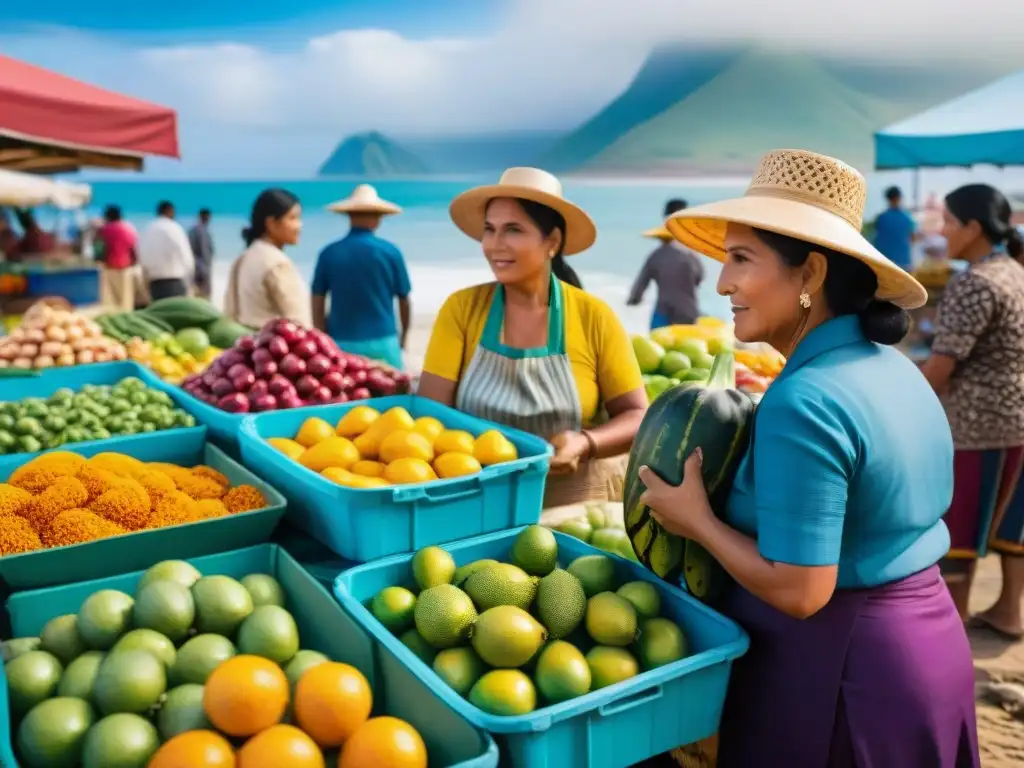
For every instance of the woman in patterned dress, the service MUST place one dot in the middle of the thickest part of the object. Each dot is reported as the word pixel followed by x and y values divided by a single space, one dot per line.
pixel 977 367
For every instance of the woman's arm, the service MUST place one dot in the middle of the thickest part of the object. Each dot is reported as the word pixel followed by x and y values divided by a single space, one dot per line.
pixel 437 388
pixel 965 313
pixel 442 365
pixel 289 293
pixel 625 413
pixel 938 370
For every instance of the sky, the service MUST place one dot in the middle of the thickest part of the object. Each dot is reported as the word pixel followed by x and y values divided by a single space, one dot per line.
pixel 274 86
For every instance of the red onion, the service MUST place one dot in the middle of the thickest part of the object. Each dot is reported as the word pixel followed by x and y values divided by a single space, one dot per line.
pixel 292 366
pixel 234 403
pixel 265 369
pixel 278 347
pixel 318 365
pixel 306 386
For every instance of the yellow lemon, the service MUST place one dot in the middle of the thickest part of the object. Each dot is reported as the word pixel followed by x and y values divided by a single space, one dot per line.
pixel 453 441
pixel 429 427
pixel 403 444
pixel 396 418
pixel 332 452
pixel 359 481
pixel 312 431
pixel 288 447
pixel 409 470
pixel 357 421
pixel 455 464
pixel 338 475
pixel 367 468
pixel 492 447
pixel 369 442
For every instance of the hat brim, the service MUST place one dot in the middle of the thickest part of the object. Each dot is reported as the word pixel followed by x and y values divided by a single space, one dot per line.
pixel 469 209
pixel 703 227
pixel 658 233
pixel 382 207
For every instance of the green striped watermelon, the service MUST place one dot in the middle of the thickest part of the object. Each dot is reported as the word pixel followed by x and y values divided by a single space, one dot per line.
pixel 715 417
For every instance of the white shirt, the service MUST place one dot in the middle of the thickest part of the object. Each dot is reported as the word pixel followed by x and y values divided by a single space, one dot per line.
pixel 164 251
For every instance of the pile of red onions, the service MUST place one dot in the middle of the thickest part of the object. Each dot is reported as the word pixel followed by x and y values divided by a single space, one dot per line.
pixel 287 366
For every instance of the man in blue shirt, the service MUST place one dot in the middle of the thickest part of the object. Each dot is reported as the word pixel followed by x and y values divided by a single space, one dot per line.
pixel 895 230
pixel 363 274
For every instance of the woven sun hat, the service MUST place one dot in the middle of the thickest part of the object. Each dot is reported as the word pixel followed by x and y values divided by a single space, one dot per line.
pixel 364 199
pixel 658 233
pixel 469 209
pixel 808 196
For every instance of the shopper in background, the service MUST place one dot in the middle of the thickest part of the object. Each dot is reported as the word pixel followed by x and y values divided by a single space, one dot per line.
pixel 895 230
pixel 117 240
pixel 264 282
pixel 165 255
pixel 977 367
pixel 201 240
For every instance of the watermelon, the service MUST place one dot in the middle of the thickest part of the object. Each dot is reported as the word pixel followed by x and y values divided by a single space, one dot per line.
pixel 716 417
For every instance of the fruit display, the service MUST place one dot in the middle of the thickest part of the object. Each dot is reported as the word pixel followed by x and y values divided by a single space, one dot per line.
pixel 95 412
pixel 516 636
pixel 193 671
pixel 172 357
pixel 171 316
pixel 717 418
pixel 600 525
pixel 369 449
pixel 285 366
pixel 49 337
pixel 61 498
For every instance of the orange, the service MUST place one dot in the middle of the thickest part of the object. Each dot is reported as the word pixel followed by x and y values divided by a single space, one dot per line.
pixel 455 464
pixel 453 441
pixel 282 746
pixel 312 431
pixel 194 749
pixel 288 447
pixel 357 421
pixel 245 695
pixel 330 452
pixel 331 701
pixel 405 444
pixel 429 427
pixel 368 468
pixel 492 447
pixel 405 471
pixel 384 742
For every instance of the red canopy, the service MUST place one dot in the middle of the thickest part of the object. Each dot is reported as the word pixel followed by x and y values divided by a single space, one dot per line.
pixel 66 122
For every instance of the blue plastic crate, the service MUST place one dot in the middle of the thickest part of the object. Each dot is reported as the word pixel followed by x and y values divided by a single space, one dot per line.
pixel 76 377
pixel 140 549
pixel 613 727
pixel 323 626
pixel 79 285
pixel 366 524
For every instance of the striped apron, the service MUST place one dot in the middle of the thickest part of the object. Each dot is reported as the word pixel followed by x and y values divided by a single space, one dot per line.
pixel 532 390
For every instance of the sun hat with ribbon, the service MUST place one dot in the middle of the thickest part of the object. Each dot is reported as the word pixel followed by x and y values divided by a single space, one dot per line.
pixel 811 197
pixel 364 199
pixel 469 209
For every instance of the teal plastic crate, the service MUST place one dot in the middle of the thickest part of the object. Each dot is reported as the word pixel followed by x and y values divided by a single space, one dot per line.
pixel 323 625
pixel 613 727
pixel 140 549
pixel 76 377
pixel 366 524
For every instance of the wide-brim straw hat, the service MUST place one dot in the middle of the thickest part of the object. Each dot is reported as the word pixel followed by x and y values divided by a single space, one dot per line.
pixel 812 197
pixel 364 199
pixel 658 233
pixel 469 209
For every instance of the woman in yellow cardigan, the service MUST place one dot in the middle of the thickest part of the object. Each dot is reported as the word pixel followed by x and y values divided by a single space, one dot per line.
pixel 532 350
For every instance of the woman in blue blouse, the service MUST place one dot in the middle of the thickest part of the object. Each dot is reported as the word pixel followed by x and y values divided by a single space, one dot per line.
pixel 834 525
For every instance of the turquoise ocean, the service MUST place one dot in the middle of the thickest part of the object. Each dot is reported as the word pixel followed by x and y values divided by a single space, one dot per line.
pixel 440 258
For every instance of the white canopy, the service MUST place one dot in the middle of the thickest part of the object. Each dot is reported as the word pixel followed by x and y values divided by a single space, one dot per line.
pixel 25 190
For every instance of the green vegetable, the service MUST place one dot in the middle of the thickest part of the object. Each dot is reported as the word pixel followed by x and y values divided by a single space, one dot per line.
pixel 182 312
pixel 223 333
pixel 193 340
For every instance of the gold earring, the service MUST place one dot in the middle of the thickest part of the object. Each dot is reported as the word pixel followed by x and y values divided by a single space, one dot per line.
pixel 805 300
pixel 551 255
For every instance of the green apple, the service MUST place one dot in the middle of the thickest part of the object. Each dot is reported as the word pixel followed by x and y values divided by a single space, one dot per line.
pixel 656 385
pixel 673 362
pixel 648 353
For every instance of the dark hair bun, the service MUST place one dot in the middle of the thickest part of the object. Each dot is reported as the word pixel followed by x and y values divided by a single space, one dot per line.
pixel 883 322
pixel 1015 243
pixel 247 235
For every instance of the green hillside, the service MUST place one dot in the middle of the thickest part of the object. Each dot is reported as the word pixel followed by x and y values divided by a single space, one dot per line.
pixel 372 154
pixel 765 100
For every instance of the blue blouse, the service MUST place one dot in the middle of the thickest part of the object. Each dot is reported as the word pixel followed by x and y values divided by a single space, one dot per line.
pixel 850 464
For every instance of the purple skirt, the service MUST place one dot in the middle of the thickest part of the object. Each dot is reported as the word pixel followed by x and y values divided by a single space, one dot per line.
pixel 879 678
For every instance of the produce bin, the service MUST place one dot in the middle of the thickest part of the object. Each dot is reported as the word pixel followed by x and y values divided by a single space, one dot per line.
pixel 78 284
pixel 323 626
pixel 366 524
pixel 613 727
pixel 223 426
pixel 140 549
pixel 78 376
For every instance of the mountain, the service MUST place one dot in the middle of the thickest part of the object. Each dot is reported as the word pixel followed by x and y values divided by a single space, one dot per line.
pixel 372 154
pixel 482 154
pixel 669 74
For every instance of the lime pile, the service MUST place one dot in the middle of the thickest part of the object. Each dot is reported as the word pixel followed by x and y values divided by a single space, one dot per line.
pixel 518 635
pixel 188 665
pixel 600 525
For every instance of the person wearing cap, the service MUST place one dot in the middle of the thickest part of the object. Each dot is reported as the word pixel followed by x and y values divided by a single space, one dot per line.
pixel 676 270
pixel 833 528
pixel 363 275
pixel 977 366
pixel 531 349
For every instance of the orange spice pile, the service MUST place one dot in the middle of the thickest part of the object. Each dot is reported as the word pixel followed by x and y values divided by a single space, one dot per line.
pixel 61 498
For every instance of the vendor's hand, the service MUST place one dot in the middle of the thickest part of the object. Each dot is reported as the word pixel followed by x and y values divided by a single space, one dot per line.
pixel 680 509
pixel 569 447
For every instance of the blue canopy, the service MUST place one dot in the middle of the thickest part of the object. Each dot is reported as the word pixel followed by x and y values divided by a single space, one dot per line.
pixel 985 126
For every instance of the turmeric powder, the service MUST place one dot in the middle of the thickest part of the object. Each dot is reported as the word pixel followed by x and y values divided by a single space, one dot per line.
pixel 64 493
pixel 77 526
pixel 16 535
pixel 206 471
pixel 123 506
pixel 12 499
pixel 243 498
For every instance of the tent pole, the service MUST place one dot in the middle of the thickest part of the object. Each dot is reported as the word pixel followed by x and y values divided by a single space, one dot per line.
pixel 917 189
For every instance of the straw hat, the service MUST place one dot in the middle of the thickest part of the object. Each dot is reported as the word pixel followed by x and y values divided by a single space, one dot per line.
pixel 364 199
pixel 658 233
pixel 468 209
pixel 808 196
